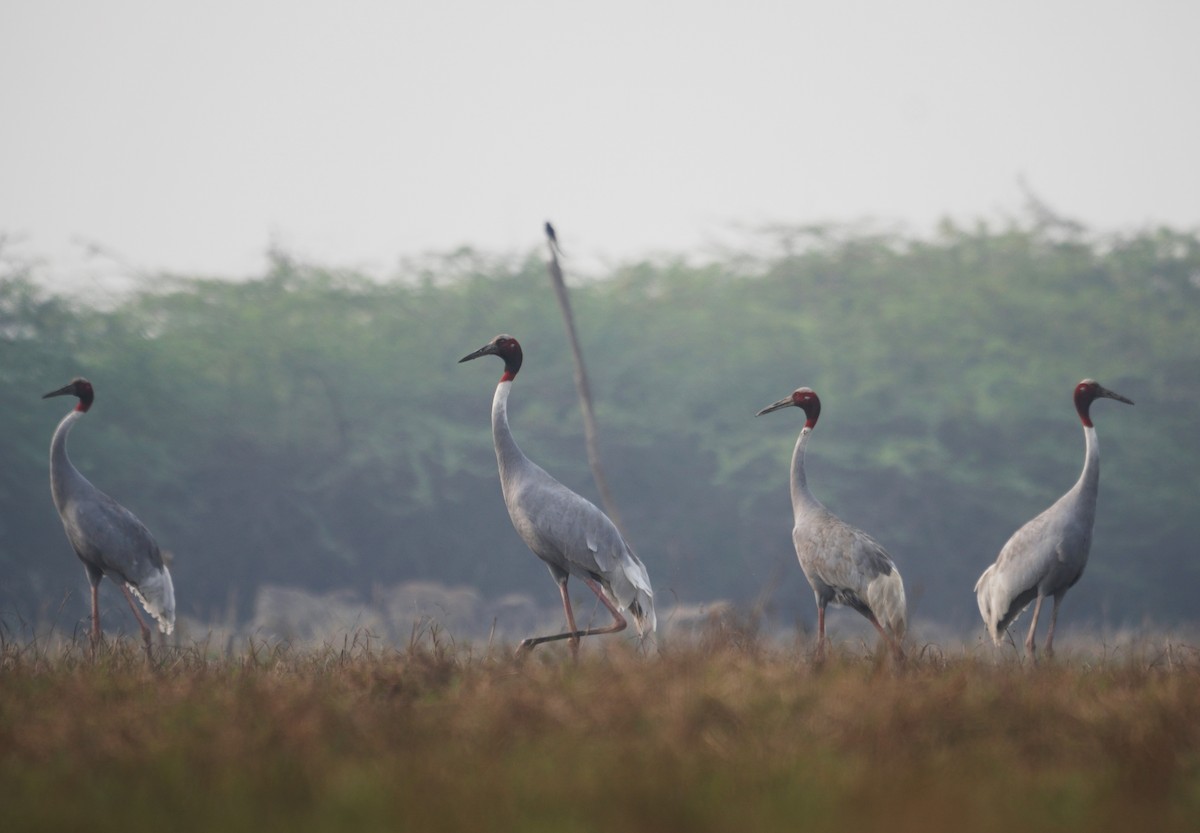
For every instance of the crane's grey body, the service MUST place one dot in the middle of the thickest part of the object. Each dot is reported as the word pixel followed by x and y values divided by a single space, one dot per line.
pixel 843 564
pixel 566 531
pixel 107 537
pixel 1047 556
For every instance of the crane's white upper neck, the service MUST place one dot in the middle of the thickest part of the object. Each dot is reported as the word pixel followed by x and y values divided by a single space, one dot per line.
pixel 500 399
pixel 802 498
pixel 507 451
pixel 1089 478
pixel 62 473
pixel 64 428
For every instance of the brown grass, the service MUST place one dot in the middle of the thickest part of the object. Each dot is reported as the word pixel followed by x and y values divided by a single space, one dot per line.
pixel 713 734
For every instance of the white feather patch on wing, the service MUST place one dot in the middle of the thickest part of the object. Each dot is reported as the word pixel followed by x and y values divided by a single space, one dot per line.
pixel 157 595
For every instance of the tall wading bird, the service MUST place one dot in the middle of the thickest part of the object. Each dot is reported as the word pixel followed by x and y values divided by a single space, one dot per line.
pixel 566 531
pixel 844 565
pixel 106 536
pixel 1047 555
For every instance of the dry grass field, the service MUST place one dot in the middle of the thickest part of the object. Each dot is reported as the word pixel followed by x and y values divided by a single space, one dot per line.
pixel 719 733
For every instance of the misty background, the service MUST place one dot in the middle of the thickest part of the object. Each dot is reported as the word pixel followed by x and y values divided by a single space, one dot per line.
pixel 266 232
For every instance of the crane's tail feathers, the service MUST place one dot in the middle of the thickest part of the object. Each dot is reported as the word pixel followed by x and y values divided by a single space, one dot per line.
pixel 642 609
pixel 885 597
pixel 157 595
pixel 631 587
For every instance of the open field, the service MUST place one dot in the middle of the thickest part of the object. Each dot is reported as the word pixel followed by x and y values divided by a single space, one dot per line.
pixel 716 733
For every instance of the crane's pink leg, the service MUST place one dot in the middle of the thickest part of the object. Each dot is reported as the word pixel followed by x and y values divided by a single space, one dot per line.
pixel 819 656
pixel 95 617
pixel 573 639
pixel 897 649
pixel 1053 620
pixel 146 633
pixel 1029 644
pixel 619 623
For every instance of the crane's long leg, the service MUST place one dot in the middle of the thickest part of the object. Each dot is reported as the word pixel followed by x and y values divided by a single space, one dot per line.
pixel 819 656
pixel 1058 597
pixel 146 633
pixel 897 649
pixel 619 624
pixel 1037 609
pixel 95 616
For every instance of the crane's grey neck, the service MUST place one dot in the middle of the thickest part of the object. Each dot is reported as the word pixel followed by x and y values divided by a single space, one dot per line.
pixel 508 455
pixel 802 498
pixel 63 475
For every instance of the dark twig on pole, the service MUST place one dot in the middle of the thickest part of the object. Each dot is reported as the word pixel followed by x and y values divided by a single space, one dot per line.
pixel 581 382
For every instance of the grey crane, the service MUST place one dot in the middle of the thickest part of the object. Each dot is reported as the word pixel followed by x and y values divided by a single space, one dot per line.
pixel 1046 556
pixel 566 531
pixel 107 537
pixel 843 564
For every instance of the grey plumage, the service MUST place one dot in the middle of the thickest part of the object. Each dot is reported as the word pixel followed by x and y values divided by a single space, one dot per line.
pixel 843 564
pixel 1047 556
pixel 571 535
pixel 107 537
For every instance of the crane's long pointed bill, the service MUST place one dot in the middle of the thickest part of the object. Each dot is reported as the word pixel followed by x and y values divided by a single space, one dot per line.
pixel 1114 395
pixel 482 351
pixel 782 403
pixel 63 391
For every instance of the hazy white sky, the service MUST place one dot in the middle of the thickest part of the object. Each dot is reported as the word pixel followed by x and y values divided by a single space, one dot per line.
pixel 192 136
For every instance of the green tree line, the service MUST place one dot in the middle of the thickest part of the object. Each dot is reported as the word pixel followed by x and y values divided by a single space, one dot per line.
pixel 311 427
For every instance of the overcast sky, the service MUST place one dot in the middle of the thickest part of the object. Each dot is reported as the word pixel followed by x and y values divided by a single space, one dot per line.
pixel 193 136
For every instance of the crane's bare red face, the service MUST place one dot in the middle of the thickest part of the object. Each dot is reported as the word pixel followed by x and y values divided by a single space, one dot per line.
pixel 507 348
pixel 78 387
pixel 505 344
pixel 1087 392
pixel 805 399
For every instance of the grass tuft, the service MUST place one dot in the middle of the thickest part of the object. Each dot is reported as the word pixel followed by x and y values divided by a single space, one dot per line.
pixel 721 731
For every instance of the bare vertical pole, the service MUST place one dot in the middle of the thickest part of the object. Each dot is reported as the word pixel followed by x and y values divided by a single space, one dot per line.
pixel 581 382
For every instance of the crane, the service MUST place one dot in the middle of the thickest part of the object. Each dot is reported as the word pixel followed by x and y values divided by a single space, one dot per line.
pixel 566 531
pixel 1047 555
pixel 843 564
pixel 107 537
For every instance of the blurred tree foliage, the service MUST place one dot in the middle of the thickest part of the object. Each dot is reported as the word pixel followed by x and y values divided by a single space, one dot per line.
pixel 312 427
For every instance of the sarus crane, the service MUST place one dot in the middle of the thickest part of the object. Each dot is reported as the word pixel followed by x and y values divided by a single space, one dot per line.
pixel 1046 556
pixel 843 564
pixel 107 537
pixel 566 531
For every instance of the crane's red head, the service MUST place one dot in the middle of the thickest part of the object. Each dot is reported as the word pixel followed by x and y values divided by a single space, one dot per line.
pixel 80 387
pixel 507 348
pixel 805 399
pixel 1087 392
